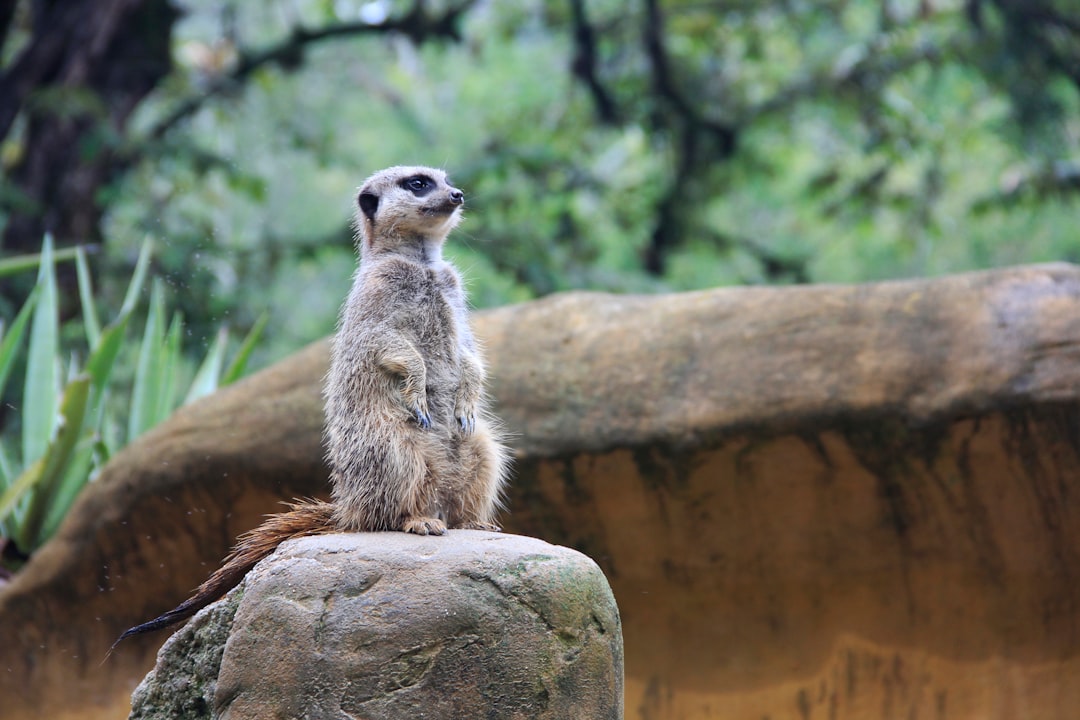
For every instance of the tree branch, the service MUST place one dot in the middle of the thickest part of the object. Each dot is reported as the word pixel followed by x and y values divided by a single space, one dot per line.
pixel 691 129
pixel 289 54
pixel 668 90
pixel 583 64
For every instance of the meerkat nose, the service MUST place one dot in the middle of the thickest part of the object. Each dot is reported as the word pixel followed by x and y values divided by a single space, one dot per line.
pixel 457 197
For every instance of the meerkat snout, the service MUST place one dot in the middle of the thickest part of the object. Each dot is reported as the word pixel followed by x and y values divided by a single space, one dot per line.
pixel 456 196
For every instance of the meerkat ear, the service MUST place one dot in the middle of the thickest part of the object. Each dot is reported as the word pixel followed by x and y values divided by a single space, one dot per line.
pixel 369 203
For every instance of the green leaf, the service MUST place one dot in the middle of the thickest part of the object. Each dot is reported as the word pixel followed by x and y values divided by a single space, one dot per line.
pixel 42 380
pixel 100 366
pixel 86 298
pixel 108 439
pixel 7 467
pixel 72 481
pixel 169 369
pixel 22 485
pixel 206 378
pixel 239 364
pixel 146 392
pixel 7 473
pixel 138 277
pixel 103 357
pixel 55 462
pixel 22 263
pixel 9 345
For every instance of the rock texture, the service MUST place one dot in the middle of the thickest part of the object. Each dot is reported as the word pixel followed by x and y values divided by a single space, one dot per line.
pixel 182 684
pixel 842 501
pixel 389 625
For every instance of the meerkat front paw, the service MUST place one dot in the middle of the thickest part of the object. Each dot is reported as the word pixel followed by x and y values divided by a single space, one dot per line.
pixel 418 407
pixel 465 412
pixel 467 422
pixel 424 526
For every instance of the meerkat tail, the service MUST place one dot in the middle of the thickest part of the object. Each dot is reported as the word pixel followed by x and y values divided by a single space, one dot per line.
pixel 307 517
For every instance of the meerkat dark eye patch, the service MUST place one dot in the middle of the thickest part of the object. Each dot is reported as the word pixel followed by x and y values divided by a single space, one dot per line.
pixel 419 185
pixel 369 203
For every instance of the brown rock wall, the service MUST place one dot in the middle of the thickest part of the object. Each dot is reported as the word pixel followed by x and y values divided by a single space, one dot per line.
pixel 754 577
pixel 849 501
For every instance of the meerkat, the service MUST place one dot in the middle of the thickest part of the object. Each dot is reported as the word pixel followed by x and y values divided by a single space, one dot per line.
pixel 409 439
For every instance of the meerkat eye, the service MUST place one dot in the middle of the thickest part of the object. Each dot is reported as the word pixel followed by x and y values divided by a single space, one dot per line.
pixel 418 185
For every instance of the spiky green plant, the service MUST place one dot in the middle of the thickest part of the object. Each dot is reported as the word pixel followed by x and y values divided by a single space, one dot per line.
pixel 70 425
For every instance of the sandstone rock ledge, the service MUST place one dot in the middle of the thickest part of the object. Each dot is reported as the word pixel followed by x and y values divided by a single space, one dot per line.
pixel 389 625
pixel 852 502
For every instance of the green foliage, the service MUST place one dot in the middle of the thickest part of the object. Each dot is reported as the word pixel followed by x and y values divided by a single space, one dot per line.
pixel 630 147
pixel 71 410
pixel 871 141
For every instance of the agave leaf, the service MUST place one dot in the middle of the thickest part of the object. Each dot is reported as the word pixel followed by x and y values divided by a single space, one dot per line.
pixel 169 368
pixel 103 357
pixel 12 339
pixel 146 392
pixel 7 467
pixel 239 364
pixel 55 462
pixel 22 485
pixel 206 378
pixel 108 439
pixel 7 473
pixel 42 383
pixel 22 263
pixel 73 479
pixel 102 449
pixel 86 298
pixel 142 265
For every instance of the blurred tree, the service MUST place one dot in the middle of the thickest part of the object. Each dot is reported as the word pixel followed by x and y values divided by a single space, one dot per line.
pixel 643 146
pixel 75 71
pixel 78 73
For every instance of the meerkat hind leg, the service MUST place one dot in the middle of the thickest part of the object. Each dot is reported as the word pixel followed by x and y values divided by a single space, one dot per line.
pixel 420 525
pixel 484 469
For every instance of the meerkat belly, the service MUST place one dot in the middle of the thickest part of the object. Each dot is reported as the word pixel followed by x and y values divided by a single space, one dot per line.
pixel 438 341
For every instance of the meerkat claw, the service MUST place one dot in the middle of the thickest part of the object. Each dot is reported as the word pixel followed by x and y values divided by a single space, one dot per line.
pixel 424 526
pixel 468 423
pixel 423 419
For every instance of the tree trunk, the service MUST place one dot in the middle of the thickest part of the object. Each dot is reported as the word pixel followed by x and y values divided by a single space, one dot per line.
pixel 88 65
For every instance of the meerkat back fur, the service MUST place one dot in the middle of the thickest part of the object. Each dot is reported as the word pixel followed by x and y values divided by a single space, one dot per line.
pixel 409 438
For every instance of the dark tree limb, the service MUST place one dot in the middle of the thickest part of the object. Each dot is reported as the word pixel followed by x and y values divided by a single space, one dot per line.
pixel 699 142
pixel 1037 28
pixel 417 25
pixel 584 64
pixel 95 61
pixel 84 70
pixel 667 88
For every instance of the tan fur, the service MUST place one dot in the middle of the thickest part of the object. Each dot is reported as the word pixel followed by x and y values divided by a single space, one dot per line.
pixel 404 358
pixel 409 440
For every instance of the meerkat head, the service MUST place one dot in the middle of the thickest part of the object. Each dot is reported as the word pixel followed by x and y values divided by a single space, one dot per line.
pixel 406 206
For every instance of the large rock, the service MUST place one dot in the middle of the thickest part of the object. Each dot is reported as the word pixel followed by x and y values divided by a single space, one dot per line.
pixel 389 625
pixel 823 501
